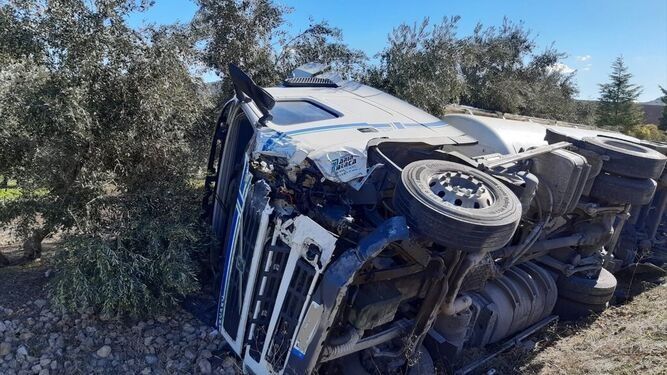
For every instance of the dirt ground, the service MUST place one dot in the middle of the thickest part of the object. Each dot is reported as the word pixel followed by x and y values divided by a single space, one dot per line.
pixel 626 339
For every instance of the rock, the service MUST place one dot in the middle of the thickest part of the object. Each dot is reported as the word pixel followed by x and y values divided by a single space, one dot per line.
pixel 25 336
pixel 162 319
pixel 204 366
pixel 188 328
pixel 5 348
pixel 40 303
pixel 104 351
pixel 151 359
pixel 22 351
pixel 105 317
pixel 148 340
pixel 36 369
pixel 229 362
pixel 54 365
pixel 146 371
pixel 189 355
pixel 44 362
pixel 206 354
pixel 44 371
pixel 3 327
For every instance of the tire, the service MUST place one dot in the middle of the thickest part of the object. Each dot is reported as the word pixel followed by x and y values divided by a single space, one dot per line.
pixel 661 147
pixel 465 222
pixel 621 190
pixel 626 158
pixel 554 135
pixel 571 310
pixel 580 289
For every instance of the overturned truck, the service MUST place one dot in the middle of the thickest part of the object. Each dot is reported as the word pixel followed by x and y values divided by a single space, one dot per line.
pixel 361 234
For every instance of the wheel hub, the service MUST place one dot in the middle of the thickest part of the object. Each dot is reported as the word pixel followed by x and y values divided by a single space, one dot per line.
pixel 462 190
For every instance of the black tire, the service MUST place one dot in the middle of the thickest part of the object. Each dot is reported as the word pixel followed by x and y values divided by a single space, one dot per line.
pixel 661 147
pixel 449 224
pixel 555 135
pixel 620 190
pixel 626 158
pixel 597 291
pixel 571 310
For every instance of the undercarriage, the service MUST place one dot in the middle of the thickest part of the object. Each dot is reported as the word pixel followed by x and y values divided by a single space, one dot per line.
pixel 435 250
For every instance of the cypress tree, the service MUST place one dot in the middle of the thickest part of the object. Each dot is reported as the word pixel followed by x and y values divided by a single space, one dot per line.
pixel 663 119
pixel 617 105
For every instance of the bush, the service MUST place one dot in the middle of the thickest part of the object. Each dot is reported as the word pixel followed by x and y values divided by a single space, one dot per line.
pixel 140 259
pixel 649 132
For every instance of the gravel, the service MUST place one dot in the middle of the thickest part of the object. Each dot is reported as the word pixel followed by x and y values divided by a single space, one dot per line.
pixel 36 338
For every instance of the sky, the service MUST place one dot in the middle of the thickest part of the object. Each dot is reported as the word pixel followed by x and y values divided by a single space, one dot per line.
pixel 591 32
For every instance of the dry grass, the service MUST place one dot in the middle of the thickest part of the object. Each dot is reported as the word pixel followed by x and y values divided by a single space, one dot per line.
pixel 625 339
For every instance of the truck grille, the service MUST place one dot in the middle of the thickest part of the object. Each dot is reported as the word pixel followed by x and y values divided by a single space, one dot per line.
pixel 273 264
pixel 297 293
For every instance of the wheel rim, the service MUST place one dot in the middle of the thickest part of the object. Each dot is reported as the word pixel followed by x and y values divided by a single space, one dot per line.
pixel 461 190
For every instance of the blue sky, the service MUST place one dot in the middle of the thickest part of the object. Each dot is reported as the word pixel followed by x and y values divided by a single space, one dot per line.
pixel 591 32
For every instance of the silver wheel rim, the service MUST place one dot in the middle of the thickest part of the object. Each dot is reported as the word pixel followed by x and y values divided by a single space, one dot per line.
pixel 461 190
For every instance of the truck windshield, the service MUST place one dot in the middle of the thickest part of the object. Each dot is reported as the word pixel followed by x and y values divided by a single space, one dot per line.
pixel 296 112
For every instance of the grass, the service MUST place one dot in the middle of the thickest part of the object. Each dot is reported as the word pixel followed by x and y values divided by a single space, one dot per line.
pixel 9 194
pixel 625 339
pixel 11 191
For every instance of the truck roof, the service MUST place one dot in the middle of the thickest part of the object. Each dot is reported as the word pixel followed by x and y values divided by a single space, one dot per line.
pixel 349 115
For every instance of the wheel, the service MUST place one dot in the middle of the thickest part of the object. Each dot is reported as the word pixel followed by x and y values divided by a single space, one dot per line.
pixel 457 206
pixel 621 190
pixel 626 158
pixel 571 310
pixel 661 147
pixel 555 135
pixel 595 291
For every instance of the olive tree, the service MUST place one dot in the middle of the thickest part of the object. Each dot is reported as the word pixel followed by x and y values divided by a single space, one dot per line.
pixel 503 72
pixel 252 34
pixel 98 123
pixel 421 65
pixel 494 68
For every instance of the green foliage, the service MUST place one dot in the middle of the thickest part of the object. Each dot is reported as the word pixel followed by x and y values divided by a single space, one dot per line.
pixel 136 261
pixel 92 112
pixel 503 73
pixel 420 65
pixel 649 132
pixel 663 118
pixel 584 112
pixel 251 34
pixel 494 68
pixel 9 194
pixel 617 105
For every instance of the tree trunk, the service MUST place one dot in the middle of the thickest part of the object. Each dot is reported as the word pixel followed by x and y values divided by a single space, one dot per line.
pixel 3 260
pixel 32 247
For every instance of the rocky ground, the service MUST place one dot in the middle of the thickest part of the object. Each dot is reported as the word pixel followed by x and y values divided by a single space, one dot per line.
pixel 37 338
